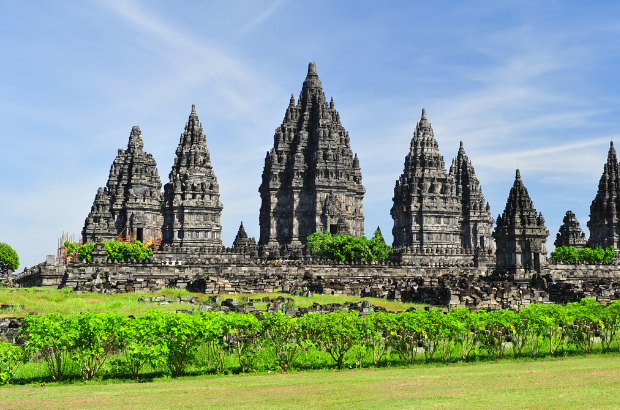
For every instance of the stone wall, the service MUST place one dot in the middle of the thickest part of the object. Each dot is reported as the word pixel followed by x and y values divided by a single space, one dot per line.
pixel 465 286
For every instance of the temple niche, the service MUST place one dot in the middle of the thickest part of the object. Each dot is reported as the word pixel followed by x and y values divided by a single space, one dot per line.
pixel 476 221
pixel 311 180
pixel 129 206
pixel 603 223
pixel 520 235
pixel 426 207
pixel 192 207
pixel 570 232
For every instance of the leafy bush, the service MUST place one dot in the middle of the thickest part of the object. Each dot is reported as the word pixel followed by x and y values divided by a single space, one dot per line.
pixel 570 254
pixel 8 259
pixel 118 251
pixel 54 338
pixel 349 248
pixel 171 343
pixel 10 358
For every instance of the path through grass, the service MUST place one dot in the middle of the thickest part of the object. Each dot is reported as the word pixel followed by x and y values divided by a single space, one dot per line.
pixel 547 384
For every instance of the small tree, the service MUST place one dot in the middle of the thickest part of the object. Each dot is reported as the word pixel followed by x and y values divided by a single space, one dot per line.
pixel 349 248
pixel 9 261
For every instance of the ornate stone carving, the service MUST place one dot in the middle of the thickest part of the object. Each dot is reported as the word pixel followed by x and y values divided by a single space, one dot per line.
pixel 476 220
pixel 132 197
pixel 311 179
pixel 426 209
pixel 570 232
pixel 520 234
pixel 603 223
pixel 192 206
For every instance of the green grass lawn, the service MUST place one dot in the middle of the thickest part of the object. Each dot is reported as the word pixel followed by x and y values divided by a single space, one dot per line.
pixel 45 300
pixel 545 384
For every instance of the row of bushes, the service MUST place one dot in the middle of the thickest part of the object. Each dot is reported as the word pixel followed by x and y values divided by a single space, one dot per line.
pixel 347 248
pixel 172 341
pixel 570 254
pixel 118 251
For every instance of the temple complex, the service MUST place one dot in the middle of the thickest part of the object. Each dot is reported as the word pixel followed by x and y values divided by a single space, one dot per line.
pixel 129 206
pixel 192 206
pixel 520 235
pixel 570 232
pixel 603 223
pixel 427 210
pixel 311 180
pixel 476 220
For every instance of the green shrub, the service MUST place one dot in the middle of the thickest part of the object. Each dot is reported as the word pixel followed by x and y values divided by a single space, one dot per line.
pixel 118 251
pixel 570 254
pixel 349 248
pixel 8 259
pixel 10 358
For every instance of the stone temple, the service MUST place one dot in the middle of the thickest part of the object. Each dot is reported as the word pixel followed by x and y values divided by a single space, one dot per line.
pixel 476 220
pixel 192 207
pixel 129 206
pixel 604 221
pixel 570 232
pixel 520 234
pixel 311 180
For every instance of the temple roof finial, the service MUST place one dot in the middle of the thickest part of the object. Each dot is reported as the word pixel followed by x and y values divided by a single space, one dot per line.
pixel 518 174
pixel 193 108
pixel 423 113
pixel 312 68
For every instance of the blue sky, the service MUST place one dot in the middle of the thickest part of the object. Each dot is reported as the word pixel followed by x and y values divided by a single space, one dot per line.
pixel 533 83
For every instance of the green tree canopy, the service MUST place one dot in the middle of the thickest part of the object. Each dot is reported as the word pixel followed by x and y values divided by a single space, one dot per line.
pixel 8 259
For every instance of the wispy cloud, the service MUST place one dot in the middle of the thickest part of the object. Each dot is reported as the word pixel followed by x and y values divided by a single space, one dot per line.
pixel 258 20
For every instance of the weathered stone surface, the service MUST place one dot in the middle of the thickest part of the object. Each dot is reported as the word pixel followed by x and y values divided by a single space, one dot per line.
pixel 426 209
pixel 311 179
pixel 603 223
pixel 192 207
pixel 476 220
pixel 129 206
pixel 520 235
pixel 570 232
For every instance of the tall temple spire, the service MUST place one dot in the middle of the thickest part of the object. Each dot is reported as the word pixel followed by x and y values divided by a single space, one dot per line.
pixel 520 234
pixel 426 209
pixel 129 206
pixel 311 179
pixel 604 222
pixel 476 223
pixel 192 206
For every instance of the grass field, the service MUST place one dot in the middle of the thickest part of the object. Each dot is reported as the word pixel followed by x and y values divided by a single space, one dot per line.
pixel 574 383
pixel 45 300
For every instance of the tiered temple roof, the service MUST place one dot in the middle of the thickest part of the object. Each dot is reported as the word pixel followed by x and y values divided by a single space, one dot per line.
pixel 133 195
pixel 520 234
pixel 192 206
pixel 603 223
pixel 570 232
pixel 311 180
pixel 476 222
pixel 427 209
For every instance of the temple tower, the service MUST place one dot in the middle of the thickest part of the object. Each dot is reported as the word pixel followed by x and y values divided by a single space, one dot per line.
pixel 520 234
pixel 427 209
pixel 192 206
pixel 311 180
pixel 132 195
pixel 603 223
pixel 476 220
pixel 570 232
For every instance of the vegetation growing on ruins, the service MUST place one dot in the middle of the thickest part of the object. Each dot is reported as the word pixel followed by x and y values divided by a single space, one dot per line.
pixel 174 344
pixel 570 254
pixel 117 251
pixel 8 258
pixel 346 248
